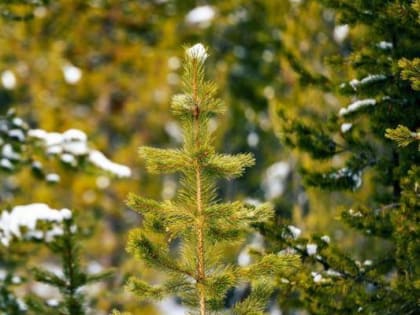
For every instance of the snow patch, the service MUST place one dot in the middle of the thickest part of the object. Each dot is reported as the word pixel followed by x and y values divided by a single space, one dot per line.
pixel 52 178
pixel 27 217
pixel 8 80
pixel 8 152
pixel 198 52
pixel 18 122
pixel 317 277
pixel 353 107
pixel 68 159
pixel 385 45
pixel 326 239
pixel 346 127
pixel 202 16
pixel 354 176
pixel 72 74
pixel 311 249
pixel 73 143
pixel 295 231
pixel 341 32
pixel 355 213
pixel 333 273
pixel 17 134
pixel 53 302
pixel 5 163
pixel 371 78
pixel 100 160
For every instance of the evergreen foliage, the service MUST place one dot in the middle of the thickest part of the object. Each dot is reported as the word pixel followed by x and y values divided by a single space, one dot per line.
pixel 265 52
pixel 349 151
pixel 71 282
pixel 185 236
pixel 9 303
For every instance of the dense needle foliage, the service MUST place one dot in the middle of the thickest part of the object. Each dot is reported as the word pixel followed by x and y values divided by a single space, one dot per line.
pixel 185 236
pixel 336 81
pixel 351 152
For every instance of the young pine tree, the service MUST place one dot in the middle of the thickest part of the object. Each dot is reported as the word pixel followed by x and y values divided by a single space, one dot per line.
pixel 185 237
pixel 71 282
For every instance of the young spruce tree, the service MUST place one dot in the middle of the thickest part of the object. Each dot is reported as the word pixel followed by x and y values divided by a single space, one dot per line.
pixel 72 281
pixel 185 237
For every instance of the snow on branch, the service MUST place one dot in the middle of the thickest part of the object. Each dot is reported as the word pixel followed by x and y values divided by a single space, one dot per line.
pixel 98 159
pixel 198 52
pixel 355 106
pixel 73 143
pixel 21 222
pixel 371 78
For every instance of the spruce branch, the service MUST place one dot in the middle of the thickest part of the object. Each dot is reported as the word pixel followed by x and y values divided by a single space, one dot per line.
pixel 410 70
pixel 143 289
pixel 164 161
pixel 254 303
pixel 402 135
pixel 229 166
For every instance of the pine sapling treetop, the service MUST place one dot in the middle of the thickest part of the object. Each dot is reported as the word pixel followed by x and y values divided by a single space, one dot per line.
pixel 185 236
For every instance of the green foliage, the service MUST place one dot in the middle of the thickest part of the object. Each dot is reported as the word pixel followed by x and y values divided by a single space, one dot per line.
pixel 9 303
pixel 411 71
pixel 128 54
pixel 71 282
pixel 402 135
pixel 350 152
pixel 184 237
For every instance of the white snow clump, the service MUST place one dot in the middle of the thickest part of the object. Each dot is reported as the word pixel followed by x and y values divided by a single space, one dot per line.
pixel 371 78
pixel 198 52
pixel 341 32
pixel 98 159
pixel 295 231
pixel 73 143
pixel 21 222
pixel 346 127
pixel 356 106
pixel 201 16
pixel 72 74
pixel 311 249
pixel 8 80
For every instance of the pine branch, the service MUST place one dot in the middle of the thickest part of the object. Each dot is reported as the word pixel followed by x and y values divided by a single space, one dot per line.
pixel 410 70
pixel 255 303
pixel 402 135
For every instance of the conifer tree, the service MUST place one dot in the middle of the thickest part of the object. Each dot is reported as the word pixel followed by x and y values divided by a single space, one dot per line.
pixel 185 236
pixel 73 278
pixel 350 152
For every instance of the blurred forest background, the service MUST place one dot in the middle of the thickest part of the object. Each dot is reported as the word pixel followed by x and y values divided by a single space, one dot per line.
pixel 110 67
